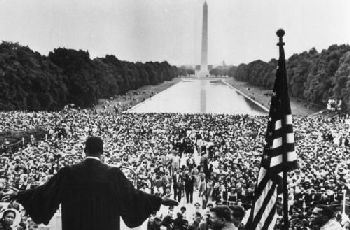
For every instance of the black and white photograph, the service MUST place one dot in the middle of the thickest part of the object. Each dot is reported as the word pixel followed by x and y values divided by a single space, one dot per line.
pixel 174 115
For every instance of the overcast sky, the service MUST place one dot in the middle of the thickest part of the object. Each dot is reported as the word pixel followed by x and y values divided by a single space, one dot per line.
pixel 157 30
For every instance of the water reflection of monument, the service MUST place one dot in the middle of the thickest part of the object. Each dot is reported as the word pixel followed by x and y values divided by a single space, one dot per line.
pixel 204 72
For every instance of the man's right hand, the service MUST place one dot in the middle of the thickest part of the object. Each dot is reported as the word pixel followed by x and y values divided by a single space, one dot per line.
pixel 169 202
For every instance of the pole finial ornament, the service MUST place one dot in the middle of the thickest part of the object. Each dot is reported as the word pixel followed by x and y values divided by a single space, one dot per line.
pixel 280 33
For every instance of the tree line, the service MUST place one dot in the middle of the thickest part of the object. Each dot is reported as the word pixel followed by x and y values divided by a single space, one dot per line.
pixel 313 76
pixel 31 81
pixel 223 71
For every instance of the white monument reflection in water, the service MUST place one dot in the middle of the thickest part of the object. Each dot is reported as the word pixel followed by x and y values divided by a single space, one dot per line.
pixel 200 96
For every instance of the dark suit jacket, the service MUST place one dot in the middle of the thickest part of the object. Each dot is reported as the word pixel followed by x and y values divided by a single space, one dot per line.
pixel 93 197
pixel 176 181
pixel 189 183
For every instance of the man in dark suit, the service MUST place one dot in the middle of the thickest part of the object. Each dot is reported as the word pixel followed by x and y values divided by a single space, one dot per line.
pixel 93 196
pixel 176 185
pixel 189 187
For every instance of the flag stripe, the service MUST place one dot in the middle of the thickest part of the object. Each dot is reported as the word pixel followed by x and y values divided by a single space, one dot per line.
pixel 261 186
pixel 278 125
pixel 282 131
pixel 277 151
pixel 271 219
pixel 278 142
pixel 291 156
pixel 290 138
pixel 284 166
pixel 267 196
pixel 268 209
pixel 262 197
pixel 262 173
pixel 289 119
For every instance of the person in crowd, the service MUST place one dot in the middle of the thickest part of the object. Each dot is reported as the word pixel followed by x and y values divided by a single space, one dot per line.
pixel 196 223
pixel 220 218
pixel 197 207
pixel 183 213
pixel 209 206
pixel 180 223
pixel 238 213
pixel 157 223
pixel 202 190
pixel 323 218
pixel 151 221
pixel 189 187
pixel 168 222
pixel 92 195
pixel 7 219
pixel 181 188
pixel 204 224
pixel 176 181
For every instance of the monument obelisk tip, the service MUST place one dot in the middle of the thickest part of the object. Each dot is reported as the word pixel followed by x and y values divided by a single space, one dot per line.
pixel 204 51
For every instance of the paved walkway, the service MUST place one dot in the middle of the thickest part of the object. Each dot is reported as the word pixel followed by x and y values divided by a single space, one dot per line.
pixel 203 97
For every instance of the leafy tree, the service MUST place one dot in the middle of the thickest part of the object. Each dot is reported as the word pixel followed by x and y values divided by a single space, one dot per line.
pixel 30 81
pixel 341 89
pixel 312 76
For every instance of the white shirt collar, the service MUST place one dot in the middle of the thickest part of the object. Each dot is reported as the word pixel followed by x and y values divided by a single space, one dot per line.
pixel 96 158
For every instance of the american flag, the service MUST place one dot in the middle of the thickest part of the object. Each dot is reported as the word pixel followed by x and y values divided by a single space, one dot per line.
pixel 278 154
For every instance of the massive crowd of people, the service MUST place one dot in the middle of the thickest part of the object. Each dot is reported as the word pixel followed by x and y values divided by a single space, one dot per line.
pixel 202 160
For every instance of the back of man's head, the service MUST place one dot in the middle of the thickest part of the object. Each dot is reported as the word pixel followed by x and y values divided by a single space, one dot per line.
pixel 94 146
pixel 237 214
pixel 222 211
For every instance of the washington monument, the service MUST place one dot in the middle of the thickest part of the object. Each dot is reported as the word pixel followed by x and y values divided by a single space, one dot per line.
pixel 204 58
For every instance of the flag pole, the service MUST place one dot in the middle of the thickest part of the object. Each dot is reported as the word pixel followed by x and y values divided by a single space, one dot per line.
pixel 280 33
pixel 344 201
pixel 285 201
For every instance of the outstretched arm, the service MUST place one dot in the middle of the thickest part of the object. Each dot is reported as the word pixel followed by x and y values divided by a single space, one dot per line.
pixel 42 202
pixel 135 206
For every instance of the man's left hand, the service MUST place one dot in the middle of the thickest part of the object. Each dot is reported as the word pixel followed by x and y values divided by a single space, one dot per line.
pixel 169 202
